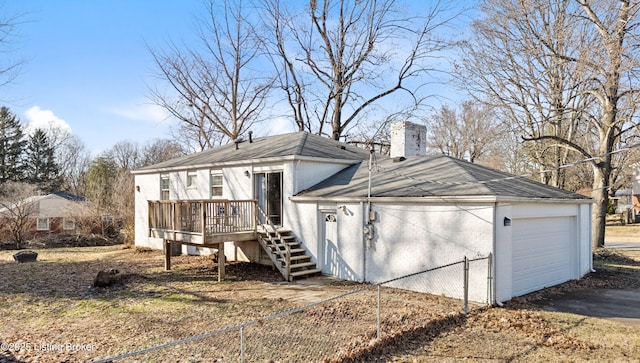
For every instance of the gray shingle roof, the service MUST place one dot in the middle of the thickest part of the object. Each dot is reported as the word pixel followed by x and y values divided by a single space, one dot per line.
pixel 279 146
pixel 424 176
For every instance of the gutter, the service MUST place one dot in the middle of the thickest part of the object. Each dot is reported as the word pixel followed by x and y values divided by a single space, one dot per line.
pixel 436 199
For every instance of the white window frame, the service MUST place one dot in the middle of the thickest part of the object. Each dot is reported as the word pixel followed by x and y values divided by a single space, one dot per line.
pixel 164 177
pixel 71 222
pixel 214 175
pixel 41 222
pixel 192 179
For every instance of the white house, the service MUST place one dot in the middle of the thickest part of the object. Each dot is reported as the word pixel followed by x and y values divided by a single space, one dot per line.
pixel 361 217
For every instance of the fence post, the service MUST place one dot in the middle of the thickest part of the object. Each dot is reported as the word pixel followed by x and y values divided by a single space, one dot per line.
pixel 466 285
pixel 242 344
pixel 378 317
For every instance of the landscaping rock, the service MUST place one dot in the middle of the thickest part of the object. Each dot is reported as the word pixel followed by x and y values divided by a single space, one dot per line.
pixel 105 278
pixel 25 256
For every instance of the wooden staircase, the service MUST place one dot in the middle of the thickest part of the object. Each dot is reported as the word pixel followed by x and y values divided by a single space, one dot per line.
pixel 287 253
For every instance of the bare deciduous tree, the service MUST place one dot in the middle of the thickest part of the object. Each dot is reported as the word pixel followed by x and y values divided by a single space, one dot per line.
pixel 219 88
pixel 126 154
pixel 10 67
pixel 160 150
pixel 467 134
pixel 73 160
pixel 18 208
pixel 562 71
pixel 517 59
pixel 338 58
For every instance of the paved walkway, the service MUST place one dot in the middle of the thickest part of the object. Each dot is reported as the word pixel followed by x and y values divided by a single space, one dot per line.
pixel 308 291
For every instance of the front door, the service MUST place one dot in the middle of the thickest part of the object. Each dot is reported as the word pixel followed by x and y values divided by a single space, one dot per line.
pixel 268 192
pixel 329 241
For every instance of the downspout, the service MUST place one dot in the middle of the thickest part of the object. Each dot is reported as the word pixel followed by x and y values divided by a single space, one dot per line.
pixel 493 291
pixel 591 239
pixel 368 228
pixel 366 220
pixel 364 245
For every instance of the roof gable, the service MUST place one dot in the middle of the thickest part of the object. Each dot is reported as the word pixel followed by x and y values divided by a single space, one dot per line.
pixel 431 176
pixel 298 144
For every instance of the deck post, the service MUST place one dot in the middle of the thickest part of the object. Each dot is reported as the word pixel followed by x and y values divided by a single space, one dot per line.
pixel 166 245
pixel 203 221
pixel 221 261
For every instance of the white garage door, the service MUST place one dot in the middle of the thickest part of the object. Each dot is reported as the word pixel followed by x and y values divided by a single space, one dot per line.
pixel 543 250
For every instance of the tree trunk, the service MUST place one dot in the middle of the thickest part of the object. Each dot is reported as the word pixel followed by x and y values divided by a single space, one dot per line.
pixel 600 195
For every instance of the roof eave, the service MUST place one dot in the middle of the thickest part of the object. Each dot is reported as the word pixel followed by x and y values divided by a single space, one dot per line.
pixel 248 162
pixel 440 199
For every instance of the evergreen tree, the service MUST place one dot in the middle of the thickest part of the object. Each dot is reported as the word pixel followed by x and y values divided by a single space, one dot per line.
pixel 40 166
pixel 12 143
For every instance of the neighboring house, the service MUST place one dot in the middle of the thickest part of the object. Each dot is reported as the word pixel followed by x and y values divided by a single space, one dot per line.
pixel 53 213
pixel 345 218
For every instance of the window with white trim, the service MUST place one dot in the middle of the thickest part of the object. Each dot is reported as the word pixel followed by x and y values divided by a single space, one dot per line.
pixel 192 179
pixel 68 224
pixel 164 187
pixel 216 183
pixel 42 224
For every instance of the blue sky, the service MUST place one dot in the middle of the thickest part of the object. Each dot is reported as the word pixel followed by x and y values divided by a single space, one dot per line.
pixel 87 65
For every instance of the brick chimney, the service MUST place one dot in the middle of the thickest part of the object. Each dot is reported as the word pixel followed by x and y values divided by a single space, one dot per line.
pixel 408 139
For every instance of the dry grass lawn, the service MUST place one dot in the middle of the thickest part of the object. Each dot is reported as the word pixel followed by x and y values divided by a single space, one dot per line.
pixel 52 314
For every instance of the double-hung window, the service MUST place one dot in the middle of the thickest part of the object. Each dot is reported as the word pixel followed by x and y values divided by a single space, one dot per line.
pixel 42 224
pixel 68 224
pixel 216 183
pixel 192 179
pixel 164 187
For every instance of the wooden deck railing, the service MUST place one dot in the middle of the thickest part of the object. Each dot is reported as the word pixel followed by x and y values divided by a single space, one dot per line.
pixel 212 217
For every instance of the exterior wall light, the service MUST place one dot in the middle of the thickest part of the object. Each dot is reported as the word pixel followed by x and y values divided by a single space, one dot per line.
pixel 507 222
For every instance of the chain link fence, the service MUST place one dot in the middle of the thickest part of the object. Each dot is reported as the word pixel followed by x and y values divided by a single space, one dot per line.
pixel 347 327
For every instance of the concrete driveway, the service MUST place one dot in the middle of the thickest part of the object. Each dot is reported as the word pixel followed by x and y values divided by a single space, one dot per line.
pixel 623 243
pixel 618 305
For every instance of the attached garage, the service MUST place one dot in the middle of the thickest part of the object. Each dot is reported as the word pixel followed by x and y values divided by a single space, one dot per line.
pixel 543 253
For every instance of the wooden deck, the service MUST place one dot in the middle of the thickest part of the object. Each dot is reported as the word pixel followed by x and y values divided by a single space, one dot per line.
pixel 202 223
pixel 210 223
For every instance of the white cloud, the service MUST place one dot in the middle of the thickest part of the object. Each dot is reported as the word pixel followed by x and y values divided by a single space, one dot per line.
pixel 141 112
pixel 281 125
pixel 274 126
pixel 38 118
